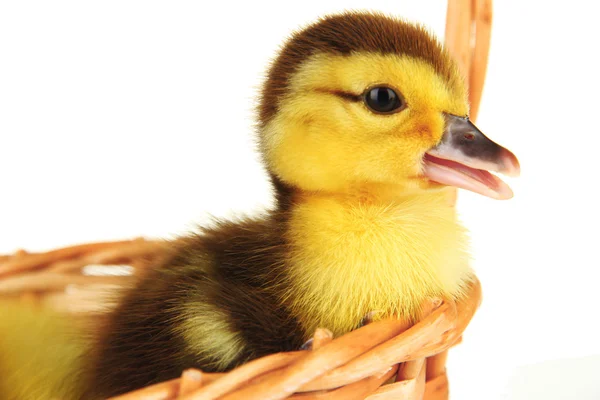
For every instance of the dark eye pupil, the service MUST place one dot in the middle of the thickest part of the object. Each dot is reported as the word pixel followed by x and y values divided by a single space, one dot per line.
pixel 383 100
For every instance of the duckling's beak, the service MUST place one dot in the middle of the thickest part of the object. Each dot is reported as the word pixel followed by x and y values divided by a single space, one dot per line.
pixel 464 158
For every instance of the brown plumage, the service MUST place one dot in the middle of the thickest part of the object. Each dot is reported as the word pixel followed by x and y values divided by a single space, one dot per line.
pixel 344 34
pixel 228 266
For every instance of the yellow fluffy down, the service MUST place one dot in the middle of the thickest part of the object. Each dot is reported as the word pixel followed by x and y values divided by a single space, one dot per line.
pixel 209 334
pixel 40 355
pixel 321 141
pixel 378 255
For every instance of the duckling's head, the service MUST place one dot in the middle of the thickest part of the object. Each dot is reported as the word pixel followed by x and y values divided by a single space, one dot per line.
pixel 362 99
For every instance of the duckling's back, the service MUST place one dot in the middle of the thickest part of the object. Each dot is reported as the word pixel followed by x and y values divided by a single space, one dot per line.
pixel 212 305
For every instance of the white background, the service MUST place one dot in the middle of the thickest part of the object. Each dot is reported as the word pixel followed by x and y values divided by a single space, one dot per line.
pixel 128 118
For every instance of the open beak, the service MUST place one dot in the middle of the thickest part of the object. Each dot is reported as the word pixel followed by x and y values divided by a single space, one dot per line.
pixel 464 158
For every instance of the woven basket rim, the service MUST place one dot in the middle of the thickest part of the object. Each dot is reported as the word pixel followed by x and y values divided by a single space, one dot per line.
pixel 373 352
pixel 360 360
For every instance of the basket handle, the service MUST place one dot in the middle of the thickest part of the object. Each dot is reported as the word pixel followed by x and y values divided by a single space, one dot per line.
pixel 468 33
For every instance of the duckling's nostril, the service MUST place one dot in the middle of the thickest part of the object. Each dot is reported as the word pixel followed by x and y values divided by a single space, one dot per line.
pixel 469 136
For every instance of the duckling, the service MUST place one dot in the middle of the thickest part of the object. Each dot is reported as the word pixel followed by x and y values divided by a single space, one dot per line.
pixel 363 127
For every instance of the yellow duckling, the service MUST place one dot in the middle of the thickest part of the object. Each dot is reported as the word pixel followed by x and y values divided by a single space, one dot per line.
pixel 364 129
pixel 363 120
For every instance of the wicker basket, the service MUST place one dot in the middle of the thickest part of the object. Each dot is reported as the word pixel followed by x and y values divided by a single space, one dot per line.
pixel 382 360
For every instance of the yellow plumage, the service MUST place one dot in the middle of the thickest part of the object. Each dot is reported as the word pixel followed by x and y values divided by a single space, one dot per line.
pixel 198 325
pixel 386 254
pixel 318 141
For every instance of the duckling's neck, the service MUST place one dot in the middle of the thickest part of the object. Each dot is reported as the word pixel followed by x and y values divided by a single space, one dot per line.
pixel 372 250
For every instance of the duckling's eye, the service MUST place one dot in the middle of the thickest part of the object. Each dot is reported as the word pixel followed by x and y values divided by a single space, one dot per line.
pixel 383 100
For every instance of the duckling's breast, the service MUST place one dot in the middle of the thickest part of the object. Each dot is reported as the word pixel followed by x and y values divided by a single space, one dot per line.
pixel 350 258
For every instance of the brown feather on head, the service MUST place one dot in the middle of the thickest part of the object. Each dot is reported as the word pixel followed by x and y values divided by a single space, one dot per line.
pixel 344 34
pixel 316 89
pixel 320 131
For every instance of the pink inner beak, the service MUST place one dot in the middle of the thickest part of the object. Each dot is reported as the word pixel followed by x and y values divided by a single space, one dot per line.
pixel 465 157
pixel 452 173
